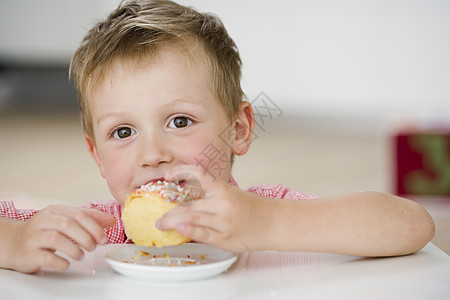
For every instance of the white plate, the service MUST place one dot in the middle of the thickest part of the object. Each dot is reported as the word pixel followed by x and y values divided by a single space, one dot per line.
pixel 189 261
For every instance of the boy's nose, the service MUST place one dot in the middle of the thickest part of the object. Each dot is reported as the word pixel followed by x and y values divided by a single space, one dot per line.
pixel 153 150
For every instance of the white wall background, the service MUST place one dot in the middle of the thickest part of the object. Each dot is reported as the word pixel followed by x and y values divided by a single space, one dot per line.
pixel 356 58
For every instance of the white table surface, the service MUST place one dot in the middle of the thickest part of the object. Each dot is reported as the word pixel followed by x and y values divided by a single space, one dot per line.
pixel 255 275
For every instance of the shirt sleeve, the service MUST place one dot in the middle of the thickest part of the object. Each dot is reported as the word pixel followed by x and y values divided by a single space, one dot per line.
pixel 8 210
pixel 116 233
pixel 279 191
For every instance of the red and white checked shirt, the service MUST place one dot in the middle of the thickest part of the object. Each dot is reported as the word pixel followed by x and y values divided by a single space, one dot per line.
pixel 116 233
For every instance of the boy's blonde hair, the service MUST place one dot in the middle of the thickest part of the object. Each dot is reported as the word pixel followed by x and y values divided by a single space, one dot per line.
pixel 138 29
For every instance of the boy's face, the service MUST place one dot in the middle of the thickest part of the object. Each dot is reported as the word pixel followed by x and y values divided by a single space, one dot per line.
pixel 155 116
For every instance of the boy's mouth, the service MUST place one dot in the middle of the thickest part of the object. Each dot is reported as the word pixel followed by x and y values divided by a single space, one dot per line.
pixel 182 183
pixel 189 184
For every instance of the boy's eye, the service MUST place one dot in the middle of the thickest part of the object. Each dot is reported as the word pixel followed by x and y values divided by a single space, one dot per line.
pixel 124 132
pixel 180 122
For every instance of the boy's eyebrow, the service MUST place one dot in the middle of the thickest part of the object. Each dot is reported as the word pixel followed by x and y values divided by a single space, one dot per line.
pixel 106 116
pixel 170 103
pixel 182 100
pixel 187 101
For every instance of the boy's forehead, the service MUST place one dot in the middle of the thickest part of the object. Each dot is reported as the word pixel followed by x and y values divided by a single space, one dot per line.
pixel 119 66
pixel 122 68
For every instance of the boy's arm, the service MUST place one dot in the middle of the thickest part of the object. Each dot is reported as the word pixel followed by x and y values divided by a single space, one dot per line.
pixel 363 224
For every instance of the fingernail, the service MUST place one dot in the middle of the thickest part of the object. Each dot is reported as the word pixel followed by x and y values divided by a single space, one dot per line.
pixel 158 223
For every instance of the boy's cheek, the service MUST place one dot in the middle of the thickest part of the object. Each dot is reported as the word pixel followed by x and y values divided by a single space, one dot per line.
pixel 116 175
pixel 119 193
pixel 214 158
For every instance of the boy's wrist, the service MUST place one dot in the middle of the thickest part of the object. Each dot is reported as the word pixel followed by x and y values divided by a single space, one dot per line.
pixel 277 221
pixel 9 231
pixel 267 217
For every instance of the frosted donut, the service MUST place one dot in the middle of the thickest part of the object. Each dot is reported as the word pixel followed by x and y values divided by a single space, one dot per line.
pixel 146 205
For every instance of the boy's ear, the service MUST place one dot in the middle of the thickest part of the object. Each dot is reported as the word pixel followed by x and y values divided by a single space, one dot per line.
pixel 243 127
pixel 94 153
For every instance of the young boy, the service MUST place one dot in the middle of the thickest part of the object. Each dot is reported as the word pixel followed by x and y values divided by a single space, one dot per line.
pixel 158 85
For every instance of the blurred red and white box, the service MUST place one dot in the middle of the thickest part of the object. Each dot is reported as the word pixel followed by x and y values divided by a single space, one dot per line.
pixel 421 158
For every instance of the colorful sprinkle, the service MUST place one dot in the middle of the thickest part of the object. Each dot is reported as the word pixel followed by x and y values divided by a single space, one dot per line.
pixel 167 190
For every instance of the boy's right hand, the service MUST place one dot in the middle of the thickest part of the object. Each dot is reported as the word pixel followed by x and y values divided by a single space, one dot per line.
pixel 33 243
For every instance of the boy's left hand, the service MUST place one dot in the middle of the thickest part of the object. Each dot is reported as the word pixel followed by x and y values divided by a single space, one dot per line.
pixel 224 216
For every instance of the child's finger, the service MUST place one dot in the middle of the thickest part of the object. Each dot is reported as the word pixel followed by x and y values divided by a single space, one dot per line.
pixel 102 219
pixel 172 218
pixel 198 233
pixel 194 218
pixel 50 260
pixel 93 232
pixel 75 224
pixel 53 240
pixel 74 230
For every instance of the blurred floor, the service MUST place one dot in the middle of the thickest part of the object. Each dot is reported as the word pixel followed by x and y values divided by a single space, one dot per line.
pixel 43 160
